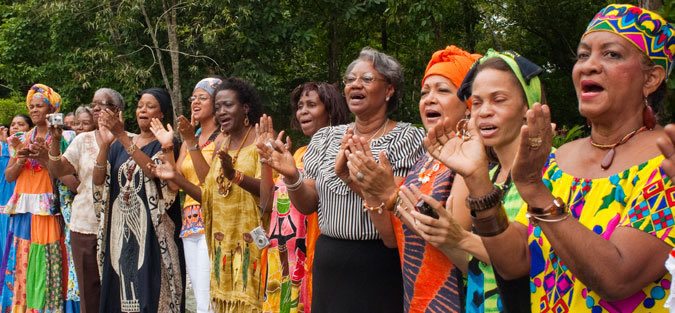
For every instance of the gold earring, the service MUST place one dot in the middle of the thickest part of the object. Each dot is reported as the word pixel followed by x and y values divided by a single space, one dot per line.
pixel 462 128
pixel 246 121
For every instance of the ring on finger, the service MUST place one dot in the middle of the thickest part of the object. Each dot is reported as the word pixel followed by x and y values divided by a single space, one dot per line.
pixel 360 176
pixel 535 142
pixel 269 145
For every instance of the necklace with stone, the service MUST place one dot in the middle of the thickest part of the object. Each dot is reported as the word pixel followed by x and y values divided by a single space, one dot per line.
pixel 609 157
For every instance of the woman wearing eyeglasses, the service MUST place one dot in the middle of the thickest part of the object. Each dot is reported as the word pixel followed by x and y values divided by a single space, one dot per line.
pixel 356 265
pixel 80 159
pixel 84 120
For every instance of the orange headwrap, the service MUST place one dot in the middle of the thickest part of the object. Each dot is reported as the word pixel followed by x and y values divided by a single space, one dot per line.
pixel 452 63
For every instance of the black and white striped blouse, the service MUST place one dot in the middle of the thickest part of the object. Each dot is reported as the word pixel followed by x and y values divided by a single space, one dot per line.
pixel 340 209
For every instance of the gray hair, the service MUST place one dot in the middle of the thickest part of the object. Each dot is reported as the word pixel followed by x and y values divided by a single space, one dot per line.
pixel 386 66
pixel 116 97
pixel 83 109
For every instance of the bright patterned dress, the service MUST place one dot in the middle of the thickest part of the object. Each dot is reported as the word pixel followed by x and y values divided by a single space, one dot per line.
pixel 431 282
pixel 288 267
pixel 6 191
pixel 35 268
pixel 639 197
pixel 236 284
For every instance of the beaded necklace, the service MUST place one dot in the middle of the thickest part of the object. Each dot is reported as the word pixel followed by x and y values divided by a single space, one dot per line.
pixel 224 190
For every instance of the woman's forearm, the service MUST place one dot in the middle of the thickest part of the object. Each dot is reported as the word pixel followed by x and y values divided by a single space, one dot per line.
pixel 13 169
pixel 100 167
pixel 266 188
pixel 305 199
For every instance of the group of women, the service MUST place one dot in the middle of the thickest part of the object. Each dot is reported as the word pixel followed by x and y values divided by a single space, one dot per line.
pixel 474 213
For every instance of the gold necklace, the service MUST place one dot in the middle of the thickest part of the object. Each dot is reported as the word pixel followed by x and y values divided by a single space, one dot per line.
pixel 224 189
pixel 382 128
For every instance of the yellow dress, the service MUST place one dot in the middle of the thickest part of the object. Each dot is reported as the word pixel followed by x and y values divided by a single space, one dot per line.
pixel 235 263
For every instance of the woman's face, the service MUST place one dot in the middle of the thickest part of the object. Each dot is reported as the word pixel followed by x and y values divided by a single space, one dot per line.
pixel 498 108
pixel 147 109
pixel 38 110
pixel 608 76
pixel 201 107
pixel 99 102
pixel 311 113
pixel 19 124
pixel 368 90
pixel 84 122
pixel 68 120
pixel 439 100
pixel 230 113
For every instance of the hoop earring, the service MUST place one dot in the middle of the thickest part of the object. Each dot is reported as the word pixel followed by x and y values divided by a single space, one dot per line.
pixel 462 128
pixel 222 130
pixel 648 118
pixel 246 121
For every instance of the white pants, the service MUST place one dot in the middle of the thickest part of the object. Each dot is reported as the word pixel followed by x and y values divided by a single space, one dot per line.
pixel 199 269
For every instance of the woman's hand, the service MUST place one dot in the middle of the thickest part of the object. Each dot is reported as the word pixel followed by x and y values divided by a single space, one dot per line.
pixel 667 146
pixel 3 133
pixel 464 157
pixel 341 169
pixel 108 119
pixel 265 130
pixel 444 233
pixel 165 170
pixel 535 146
pixel 226 164
pixel 104 137
pixel 16 143
pixel 163 135
pixel 375 180
pixel 187 130
pixel 277 155
pixel 39 151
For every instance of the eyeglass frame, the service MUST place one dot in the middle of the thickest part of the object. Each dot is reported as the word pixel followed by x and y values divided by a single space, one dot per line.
pixel 361 78
pixel 201 98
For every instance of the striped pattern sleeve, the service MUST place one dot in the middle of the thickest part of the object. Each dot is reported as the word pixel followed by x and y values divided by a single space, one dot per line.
pixel 340 210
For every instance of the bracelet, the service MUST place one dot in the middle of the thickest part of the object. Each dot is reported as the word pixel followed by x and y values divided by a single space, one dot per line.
pixel 54 157
pixel 194 148
pixel 99 166
pixel 492 225
pixel 131 149
pixel 485 202
pixel 557 211
pixel 367 208
pixel 393 201
pixel 296 185
pixel 237 178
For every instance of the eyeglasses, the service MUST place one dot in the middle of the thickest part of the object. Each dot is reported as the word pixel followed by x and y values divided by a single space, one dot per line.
pixel 101 105
pixel 200 98
pixel 366 79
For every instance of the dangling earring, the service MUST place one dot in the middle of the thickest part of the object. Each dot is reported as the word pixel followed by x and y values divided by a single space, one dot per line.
pixel 246 121
pixel 588 122
pixel 222 130
pixel 462 128
pixel 386 99
pixel 648 118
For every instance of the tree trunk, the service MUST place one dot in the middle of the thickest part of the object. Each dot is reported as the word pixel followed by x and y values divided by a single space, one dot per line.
pixel 157 49
pixel 332 50
pixel 651 5
pixel 171 23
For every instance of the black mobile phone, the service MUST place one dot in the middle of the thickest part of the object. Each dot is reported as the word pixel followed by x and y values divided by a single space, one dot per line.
pixel 426 209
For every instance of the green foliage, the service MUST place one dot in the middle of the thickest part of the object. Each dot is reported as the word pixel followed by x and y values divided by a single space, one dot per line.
pixel 565 135
pixel 77 46
pixel 11 106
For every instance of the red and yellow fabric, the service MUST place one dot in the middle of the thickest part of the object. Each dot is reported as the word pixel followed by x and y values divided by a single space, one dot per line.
pixel 640 197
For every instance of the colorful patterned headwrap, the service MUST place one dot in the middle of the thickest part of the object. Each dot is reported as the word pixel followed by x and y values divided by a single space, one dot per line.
pixel 50 96
pixel 526 72
pixel 645 29
pixel 452 63
pixel 208 84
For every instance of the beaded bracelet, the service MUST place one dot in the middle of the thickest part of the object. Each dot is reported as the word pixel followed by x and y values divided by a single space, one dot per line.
pixel 54 157
pixel 131 149
pixel 367 208
pixel 237 178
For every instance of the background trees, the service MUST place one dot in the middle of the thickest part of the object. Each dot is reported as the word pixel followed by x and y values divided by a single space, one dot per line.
pixel 77 46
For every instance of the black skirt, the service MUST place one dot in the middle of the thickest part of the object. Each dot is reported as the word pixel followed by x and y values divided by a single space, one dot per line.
pixel 356 276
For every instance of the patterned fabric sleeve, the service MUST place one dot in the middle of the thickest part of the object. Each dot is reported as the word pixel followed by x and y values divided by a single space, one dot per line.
pixel 649 207
pixel 405 150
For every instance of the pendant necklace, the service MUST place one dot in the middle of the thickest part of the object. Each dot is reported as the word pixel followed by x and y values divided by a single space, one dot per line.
pixel 609 157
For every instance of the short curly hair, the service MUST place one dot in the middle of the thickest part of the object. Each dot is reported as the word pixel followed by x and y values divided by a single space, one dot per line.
pixel 246 94
pixel 336 106
pixel 386 66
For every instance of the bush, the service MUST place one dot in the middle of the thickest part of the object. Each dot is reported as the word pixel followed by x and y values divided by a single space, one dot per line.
pixel 11 106
pixel 565 135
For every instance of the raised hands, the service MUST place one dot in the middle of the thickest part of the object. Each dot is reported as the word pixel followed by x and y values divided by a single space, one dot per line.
pixel 444 233
pixel 4 132
pixel 39 151
pixel 535 146
pixel 466 157
pixel 163 135
pixel 375 180
pixel 186 129
pixel 341 169
pixel 277 155
pixel 109 120
pixel 165 170
pixel 667 146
